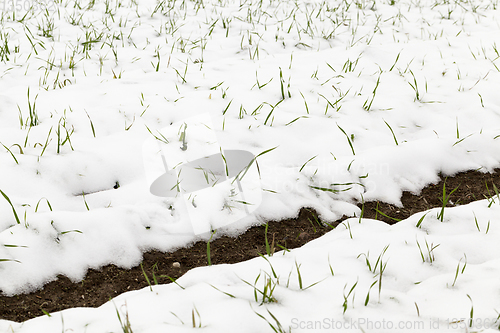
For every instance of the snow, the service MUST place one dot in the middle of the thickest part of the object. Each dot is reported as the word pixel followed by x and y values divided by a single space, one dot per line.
pixel 382 95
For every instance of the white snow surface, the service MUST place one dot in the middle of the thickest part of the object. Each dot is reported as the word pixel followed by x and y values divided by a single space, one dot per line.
pixel 380 95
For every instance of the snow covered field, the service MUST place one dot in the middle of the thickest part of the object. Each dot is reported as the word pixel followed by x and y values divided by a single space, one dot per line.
pixel 342 101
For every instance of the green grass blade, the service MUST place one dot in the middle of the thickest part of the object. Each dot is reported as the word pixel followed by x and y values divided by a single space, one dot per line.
pixel 348 139
pixel 392 218
pixel 11 205
pixel 4 260
pixel 421 220
pixel 309 160
pixel 12 154
pixel 393 135
pixel 146 276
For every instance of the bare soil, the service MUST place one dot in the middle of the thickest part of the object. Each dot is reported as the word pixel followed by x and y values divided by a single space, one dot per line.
pixel 108 282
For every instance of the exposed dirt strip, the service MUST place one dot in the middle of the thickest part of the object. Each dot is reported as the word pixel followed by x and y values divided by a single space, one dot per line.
pixel 101 285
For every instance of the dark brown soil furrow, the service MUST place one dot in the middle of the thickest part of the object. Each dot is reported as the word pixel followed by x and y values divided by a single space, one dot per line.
pixel 101 285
